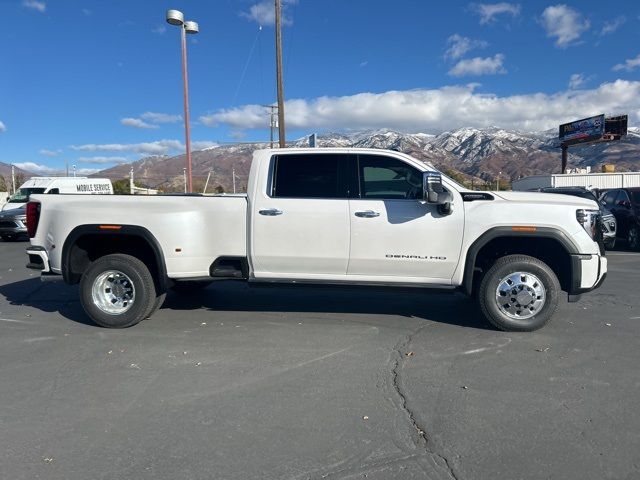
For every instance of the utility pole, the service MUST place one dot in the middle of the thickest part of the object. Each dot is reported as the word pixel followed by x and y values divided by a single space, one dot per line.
pixel 273 123
pixel 13 178
pixel 233 174
pixel 498 181
pixel 131 183
pixel 184 177
pixel 204 190
pixel 67 166
pixel 281 125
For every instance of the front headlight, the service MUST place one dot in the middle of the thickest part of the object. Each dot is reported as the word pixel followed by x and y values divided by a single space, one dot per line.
pixel 589 221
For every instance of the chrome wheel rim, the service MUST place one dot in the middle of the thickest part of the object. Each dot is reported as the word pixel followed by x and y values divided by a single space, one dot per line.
pixel 520 295
pixel 113 292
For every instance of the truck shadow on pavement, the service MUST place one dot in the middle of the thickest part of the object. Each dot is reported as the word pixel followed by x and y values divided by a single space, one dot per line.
pixel 448 308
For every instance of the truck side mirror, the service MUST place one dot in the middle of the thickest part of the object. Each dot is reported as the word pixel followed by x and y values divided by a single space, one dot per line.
pixel 435 194
pixel 431 186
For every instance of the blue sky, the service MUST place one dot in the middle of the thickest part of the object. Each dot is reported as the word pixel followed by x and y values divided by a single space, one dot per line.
pixel 98 83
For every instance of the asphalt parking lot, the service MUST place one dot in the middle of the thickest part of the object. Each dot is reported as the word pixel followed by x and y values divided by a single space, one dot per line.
pixel 282 383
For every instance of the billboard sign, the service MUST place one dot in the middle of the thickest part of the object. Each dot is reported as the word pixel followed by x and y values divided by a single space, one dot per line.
pixel 616 126
pixel 585 130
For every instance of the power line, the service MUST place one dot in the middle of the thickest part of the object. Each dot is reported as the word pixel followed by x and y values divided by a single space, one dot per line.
pixel 246 65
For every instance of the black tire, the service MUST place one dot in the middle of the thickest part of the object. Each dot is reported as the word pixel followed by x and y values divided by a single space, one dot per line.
pixel 610 244
pixel 138 274
pixel 501 269
pixel 157 304
pixel 189 287
pixel 7 237
pixel 633 237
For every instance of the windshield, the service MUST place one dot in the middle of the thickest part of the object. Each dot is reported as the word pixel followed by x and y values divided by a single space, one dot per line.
pixel 635 197
pixel 22 195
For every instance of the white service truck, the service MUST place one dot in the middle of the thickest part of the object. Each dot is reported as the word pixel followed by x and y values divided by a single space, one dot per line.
pixel 58 185
pixel 324 216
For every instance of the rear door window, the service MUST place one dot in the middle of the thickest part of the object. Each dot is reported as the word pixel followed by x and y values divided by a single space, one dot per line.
pixel 311 176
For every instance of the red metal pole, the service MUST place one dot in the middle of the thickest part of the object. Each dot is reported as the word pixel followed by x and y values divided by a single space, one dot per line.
pixel 187 133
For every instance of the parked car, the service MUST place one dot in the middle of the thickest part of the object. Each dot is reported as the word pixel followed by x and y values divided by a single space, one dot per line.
pixel 608 224
pixel 13 224
pixel 624 203
pixel 324 216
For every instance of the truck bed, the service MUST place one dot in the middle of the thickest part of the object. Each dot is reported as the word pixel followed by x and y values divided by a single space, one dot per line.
pixel 192 231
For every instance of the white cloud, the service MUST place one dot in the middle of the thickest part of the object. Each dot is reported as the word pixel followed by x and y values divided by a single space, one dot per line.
pixel 458 46
pixel 156 117
pixel 489 11
pixel 49 153
pixel 3 127
pixel 159 29
pixel 264 13
pixel 159 147
pixel 87 171
pixel 576 80
pixel 36 168
pixel 611 26
pixel 479 66
pixel 364 63
pixel 86 11
pixel 445 108
pixel 136 123
pixel 628 65
pixel 564 23
pixel 35 5
pixel 150 120
pixel 103 160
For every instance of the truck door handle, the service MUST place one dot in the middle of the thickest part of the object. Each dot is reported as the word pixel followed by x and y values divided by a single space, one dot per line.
pixel 367 214
pixel 270 212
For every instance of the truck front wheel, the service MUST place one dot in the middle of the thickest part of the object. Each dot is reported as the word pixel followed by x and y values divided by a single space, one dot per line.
pixel 519 294
pixel 117 291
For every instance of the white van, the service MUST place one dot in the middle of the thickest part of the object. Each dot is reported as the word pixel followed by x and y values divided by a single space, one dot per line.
pixel 73 185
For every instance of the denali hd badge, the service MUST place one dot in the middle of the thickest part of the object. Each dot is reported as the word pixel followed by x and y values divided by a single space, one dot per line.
pixel 417 257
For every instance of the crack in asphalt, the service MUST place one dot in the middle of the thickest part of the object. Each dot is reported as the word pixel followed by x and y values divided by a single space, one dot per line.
pixel 423 441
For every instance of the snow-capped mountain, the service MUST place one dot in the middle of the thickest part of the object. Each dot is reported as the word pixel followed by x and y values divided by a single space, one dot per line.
pixel 480 153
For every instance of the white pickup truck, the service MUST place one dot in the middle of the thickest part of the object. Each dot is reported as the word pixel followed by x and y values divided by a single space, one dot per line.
pixel 324 216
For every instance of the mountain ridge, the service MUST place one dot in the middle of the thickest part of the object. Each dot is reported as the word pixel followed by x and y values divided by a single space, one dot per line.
pixel 481 153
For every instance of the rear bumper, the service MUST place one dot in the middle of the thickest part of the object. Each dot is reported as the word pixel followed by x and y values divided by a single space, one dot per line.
pixel 587 273
pixel 38 259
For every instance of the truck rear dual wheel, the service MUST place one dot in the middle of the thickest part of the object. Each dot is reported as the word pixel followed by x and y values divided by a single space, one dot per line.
pixel 117 291
pixel 519 293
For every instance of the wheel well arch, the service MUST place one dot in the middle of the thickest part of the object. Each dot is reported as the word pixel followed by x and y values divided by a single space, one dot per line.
pixel 87 243
pixel 550 245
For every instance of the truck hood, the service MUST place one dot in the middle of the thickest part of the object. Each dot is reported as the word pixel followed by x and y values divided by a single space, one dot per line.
pixel 547 199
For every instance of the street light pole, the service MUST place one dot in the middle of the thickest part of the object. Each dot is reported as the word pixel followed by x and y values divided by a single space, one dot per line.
pixel 175 17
